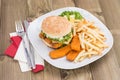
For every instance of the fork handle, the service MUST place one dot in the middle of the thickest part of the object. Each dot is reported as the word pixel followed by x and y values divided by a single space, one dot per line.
pixel 27 54
pixel 31 51
pixel 28 58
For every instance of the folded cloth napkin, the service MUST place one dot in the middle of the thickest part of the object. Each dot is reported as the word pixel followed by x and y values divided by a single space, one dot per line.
pixel 12 49
pixel 16 51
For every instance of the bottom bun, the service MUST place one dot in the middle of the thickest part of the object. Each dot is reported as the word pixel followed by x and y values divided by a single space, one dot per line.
pixel 53 45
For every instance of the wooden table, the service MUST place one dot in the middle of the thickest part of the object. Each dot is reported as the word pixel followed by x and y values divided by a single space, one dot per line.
pixel 106 68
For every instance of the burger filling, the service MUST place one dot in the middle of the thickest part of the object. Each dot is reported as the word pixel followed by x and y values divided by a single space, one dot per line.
pixel 64 40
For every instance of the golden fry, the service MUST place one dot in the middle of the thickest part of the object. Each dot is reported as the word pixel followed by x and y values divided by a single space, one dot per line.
pixel 75 44
pixel 58 53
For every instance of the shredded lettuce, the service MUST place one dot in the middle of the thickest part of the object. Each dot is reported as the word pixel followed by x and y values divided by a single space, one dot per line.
pixel 68 14
pixel 64 39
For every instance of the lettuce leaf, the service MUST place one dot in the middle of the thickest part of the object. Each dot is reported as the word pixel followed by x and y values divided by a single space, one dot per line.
pixel 71 13
pixel 64 39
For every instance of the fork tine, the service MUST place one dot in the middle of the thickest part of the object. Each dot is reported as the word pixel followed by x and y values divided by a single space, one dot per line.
pixel 16 26
pixel 19 26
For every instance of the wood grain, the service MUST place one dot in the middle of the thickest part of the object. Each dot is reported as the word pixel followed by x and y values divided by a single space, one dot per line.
pixel 11 11
pixel 92 6
pixel 83 73
pixel 110 67
pixel 38 7
pixel 111 13
pixel 106 68
pixel 51 72
pixel 62 3
pixel 112 17
pixel 0 31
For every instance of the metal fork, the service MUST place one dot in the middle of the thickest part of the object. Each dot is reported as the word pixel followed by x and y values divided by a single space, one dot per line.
pixel 21 32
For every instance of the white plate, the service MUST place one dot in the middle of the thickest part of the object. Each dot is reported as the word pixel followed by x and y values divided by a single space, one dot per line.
pixel 35 28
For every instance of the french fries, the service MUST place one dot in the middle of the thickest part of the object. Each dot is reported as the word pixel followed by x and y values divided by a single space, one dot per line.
pixel 92 40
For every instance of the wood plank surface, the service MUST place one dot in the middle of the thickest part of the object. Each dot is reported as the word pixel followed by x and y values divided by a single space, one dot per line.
pixel 11 11
pixel 106 68
pixel 0 30
pixel 112 17
pixel 108 65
